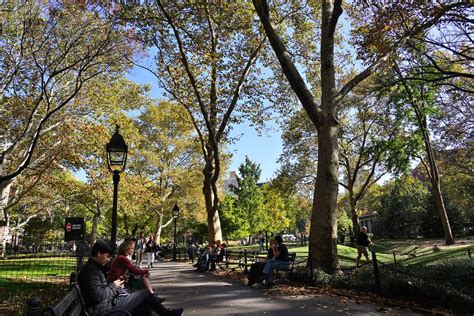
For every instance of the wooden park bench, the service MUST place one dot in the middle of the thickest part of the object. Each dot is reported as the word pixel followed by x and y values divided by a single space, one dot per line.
pixel 72 304
pixel 282 274
pixel 239 259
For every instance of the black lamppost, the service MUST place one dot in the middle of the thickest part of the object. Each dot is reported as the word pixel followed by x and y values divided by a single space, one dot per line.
pixel 175 213
pixel 116 161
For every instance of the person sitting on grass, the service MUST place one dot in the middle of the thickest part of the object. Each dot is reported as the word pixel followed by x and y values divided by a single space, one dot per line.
pixel 280 260
pixel 102 297
pixel 122 264
pixel 363 242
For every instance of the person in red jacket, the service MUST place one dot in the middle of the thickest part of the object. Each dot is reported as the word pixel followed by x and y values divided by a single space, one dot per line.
pixel 122 264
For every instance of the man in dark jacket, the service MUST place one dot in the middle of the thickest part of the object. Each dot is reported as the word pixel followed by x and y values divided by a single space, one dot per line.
pixel 102 297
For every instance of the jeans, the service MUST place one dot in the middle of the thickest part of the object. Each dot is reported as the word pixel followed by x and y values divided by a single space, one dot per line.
pixel 151 258
pixel 271 264
pixel 140 303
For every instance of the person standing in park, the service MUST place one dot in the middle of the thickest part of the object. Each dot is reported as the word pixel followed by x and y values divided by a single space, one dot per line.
pixel 280 260
pixel 140 249
pixel 363 242
pixel 101 297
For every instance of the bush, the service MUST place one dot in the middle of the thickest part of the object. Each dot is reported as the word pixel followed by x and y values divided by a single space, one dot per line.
pixel 450 283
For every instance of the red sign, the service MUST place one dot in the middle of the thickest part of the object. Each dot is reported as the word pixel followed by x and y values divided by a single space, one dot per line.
pixel 68 227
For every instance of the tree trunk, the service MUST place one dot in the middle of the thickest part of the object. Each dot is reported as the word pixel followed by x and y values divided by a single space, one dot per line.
pixel 213 221
pixel 95 222
pixel 448 235
pixel 5 187
pixel 125 224
pixel 436 189
pixel 354 216
pixel 323 232
pixel 159 227
pixel 433 172
pixel 435 185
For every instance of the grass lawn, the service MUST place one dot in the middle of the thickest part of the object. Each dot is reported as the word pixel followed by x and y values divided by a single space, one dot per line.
pixel 407 252
pixel 21 278
pixel 37 268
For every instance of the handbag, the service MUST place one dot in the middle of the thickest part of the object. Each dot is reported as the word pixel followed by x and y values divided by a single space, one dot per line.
pixel 135 282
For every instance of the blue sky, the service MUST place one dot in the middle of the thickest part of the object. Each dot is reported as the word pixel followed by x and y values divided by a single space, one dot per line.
pixel 263 149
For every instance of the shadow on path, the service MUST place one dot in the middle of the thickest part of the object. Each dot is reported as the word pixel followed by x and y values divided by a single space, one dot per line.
pixel 205 294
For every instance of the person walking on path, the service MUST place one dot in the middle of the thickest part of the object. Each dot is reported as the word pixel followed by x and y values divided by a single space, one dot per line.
pixel 150 251
pixel 280 260
pixel 101 297
pixel 363 242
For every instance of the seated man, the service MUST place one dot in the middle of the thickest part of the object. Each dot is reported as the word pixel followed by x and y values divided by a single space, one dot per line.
pixel 101 297
pixel 280 260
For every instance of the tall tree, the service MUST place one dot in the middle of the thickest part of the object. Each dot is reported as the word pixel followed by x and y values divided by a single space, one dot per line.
pixel 249 195
pixel 420 97
pixel 47 55
pixel 168 162
pixel 324 116
pixel 440 56
pixel 206 61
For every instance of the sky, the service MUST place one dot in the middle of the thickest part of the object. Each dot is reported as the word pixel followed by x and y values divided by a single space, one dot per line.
pixel 262 149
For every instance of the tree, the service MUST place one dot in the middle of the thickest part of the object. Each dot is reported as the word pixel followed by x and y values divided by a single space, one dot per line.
pixel 47 55
pixel 325 115
pixel 459 187
pixel 105 102
pixel 436 59
pixel 249 195
pixel 206 61
pixel 166 163
pixel 402 203
pixel 234 223
pixel 431 224
pixel 366 138
pixel 421 100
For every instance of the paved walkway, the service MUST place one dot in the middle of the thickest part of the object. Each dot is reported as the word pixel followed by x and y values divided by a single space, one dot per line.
pixel 201 293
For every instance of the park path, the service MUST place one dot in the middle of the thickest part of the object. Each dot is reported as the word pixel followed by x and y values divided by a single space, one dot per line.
pixel 201 293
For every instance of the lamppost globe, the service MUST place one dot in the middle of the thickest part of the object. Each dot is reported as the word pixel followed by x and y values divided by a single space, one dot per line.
pixel 117 151
pixel 175 211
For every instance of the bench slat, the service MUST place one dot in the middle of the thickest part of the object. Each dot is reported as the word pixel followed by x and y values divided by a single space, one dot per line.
pixel 67 301
pixel 76 311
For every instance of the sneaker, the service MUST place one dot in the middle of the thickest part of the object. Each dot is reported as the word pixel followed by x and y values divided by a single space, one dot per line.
pixel 269 285
pixel 175 312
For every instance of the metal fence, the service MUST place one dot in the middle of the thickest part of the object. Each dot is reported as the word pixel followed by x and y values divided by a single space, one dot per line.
pixel 38 269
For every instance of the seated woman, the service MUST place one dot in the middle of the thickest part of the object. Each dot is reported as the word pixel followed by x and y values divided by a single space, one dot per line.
pixel 122 264
pixel 256 269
